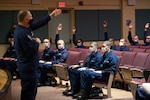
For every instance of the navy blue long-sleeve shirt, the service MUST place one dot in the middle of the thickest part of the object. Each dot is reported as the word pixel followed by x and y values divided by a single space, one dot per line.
pixel 122 48
pixel 48 54
pixel 11 52
pixel 93 60
pixel 131 40
pixel 60 55
pixel 26 47
pixel 76 42
pixel 108 62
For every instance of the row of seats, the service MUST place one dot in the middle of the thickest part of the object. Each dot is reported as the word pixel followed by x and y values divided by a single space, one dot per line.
pixel 144 49
pixel 78 56
pixel 132 65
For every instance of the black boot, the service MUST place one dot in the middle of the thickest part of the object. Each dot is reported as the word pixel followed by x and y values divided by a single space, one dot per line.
pixel 83 95
pixel 74 90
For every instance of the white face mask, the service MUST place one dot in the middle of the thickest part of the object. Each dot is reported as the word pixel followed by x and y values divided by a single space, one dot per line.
pixel 103 49
pixel 121 44
pixel 60 46
pixel 135 40
pixel 78 44
pixel 46 45
pixel 91 49
pixel 12 43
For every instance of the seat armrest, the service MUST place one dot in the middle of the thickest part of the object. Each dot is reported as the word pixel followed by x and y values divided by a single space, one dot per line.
pixel 136 69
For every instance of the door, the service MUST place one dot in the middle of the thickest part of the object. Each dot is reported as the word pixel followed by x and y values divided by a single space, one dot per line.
pixel 65 34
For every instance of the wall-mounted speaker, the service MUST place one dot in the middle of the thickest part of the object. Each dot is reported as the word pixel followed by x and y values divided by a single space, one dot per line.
pixel 131 2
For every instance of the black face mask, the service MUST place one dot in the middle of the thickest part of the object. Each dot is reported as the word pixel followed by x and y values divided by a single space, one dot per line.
pixel 31 22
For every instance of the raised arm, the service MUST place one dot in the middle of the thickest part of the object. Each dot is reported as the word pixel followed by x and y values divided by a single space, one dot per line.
pixel 59 28
pixel 129 35
pixel 74 36
pixel 105 30
pixel 41 22
pixel 145 31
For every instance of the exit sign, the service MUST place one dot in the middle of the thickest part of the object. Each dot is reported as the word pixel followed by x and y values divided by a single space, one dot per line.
pixel 61 4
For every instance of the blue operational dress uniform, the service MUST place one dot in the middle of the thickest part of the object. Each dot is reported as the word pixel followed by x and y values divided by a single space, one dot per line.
pixel 141 94
pixel 122 48
pixel 108 62
pixel 131 40
pixel 47 56
pixel 76 42
pixel 10 65
pixel 59 56
pixel 92 61
pixel 27 57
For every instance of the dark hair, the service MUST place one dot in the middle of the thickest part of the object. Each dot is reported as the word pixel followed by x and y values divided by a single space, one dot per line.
pixel 81 40
pixel 21 15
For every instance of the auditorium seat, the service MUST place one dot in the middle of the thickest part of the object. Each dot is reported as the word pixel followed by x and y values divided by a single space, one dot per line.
pixel 73 49
pixel 84 53
pixel 125 65
pixel 118 53
pixel 139 50
pixel 62 68
pixel 137 81
pixel 108 84
pixel 118 77
pixel 138 63
pixel 147 51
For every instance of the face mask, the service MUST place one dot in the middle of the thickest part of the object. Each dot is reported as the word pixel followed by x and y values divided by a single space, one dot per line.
pixel 103 49
pixel 121 44
pixel 60 46
pixel 78 44
pixel 91 49
pixel 147 40
pixel 31 22
pixel 135 40
pixel 12 43
pixel 46 45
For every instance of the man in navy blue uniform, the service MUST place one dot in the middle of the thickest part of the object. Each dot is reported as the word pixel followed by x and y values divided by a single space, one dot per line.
pixel 135 40
pixel 106 37
pixel 27 50
pixel 92 62
pixel 146 36
pixel 77 42
pixel 122 45
pixel 45 62
pixel 9 59
pixel 108 62
pixel 61 53
pixel 10 34
pixel 59 56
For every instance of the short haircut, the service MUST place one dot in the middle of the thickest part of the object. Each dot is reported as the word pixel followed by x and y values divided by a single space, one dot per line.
pixel 95 44
pixel 61 41
pixel 107 43
pixel 81 40
pixel 21 15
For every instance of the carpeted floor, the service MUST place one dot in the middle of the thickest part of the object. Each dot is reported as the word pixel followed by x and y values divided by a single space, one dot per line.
pixel 55 93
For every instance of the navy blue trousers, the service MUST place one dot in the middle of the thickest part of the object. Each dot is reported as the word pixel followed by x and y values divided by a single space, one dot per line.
pixel 141 94
pixel 29 86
